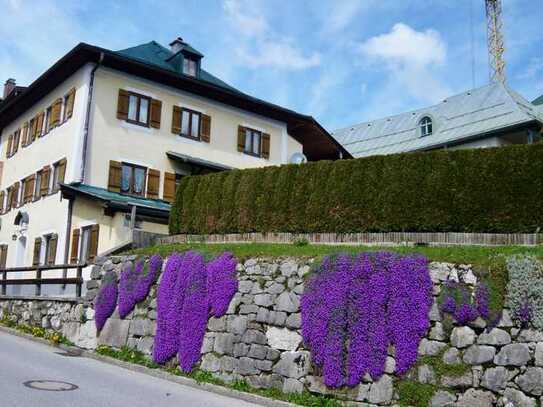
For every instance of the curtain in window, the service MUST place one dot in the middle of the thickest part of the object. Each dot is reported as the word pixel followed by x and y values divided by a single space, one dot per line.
pixel 139 179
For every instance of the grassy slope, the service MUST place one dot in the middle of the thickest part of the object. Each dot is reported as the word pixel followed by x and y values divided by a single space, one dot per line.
pixel 477 255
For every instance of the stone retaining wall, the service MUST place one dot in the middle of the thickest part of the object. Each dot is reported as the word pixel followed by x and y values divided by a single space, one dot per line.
pixel 259 339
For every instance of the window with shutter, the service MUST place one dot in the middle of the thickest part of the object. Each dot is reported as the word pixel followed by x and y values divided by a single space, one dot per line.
pixel 156 112
pixel 266 146
pixel 24 141
pixel 176 120
pixel 16 140
pixel 115 175
pixel 37 252
pixel 9 198
pixel 39 125
pixel 169 187
pixel 93 243
pixel 133 179
pixel 122 105
pixel 153 183
pixel 29 188
pixel 55 113
pixel 241 138
pixel 51 249
pixel 75 246
pixel 48 118
pixel 3 256
pixel 8 149
pixel 190 124
pixel 134 108
pixel 59 172
pixel 31 131
pixel 44 187
pixel 15 195
pixel 69 101
pixel 205 131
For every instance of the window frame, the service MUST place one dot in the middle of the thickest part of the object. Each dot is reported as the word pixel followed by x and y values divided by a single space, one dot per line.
pixel 188 62
pixel 191 113
pixel 133 168
pixel 426 126
pixel 139 97
pixel 36 195
pixel 47 120
pixel 85 231
pixel 252 132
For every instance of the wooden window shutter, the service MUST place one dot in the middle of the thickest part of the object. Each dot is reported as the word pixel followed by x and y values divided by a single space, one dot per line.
pixel 265 145
pixel 61 171
pixel 156 112
pixel 205 128
pixel 37 251
pixel 2 197
pixel 115 175
pixel 3 255
pixel 24 140
pixel 55 113
pixel 29 188
pixel 44 186
pixel 10 142
pixel 39 125
pixel 52 252
pixel 15 195
pixel 176 120
pixel 16 140
pixel 74 254
pixel 70 104
pixel 153 183
pixel 241 138
pixel 32 131
pixel 168 193
pixel 93 244
pixel 8 199
pixel 122 105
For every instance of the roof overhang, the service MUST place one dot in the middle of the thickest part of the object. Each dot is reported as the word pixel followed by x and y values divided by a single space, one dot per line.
pixel 71 192
pixel 198 162
pixel 317 142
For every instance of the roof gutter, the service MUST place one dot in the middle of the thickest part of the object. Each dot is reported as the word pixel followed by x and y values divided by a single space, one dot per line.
pixel 87 120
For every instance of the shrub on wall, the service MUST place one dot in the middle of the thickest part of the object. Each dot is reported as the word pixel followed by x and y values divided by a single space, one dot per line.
pixel 480 190
pixel 353 309
pixel 106 300
pixel 189 292
pixel 525 289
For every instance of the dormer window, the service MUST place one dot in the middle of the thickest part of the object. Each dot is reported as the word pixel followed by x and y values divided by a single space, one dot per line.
pixel 426 126
pixel 189 67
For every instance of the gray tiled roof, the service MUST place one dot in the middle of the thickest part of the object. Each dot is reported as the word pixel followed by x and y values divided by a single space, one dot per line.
pixel 478 111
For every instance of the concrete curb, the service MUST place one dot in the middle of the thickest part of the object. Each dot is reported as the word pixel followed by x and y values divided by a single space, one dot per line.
pixel 160 374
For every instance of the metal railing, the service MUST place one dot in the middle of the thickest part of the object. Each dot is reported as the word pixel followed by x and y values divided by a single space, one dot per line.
pixel 39 280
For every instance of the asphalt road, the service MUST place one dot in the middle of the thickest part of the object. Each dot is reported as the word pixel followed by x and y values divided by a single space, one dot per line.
pixel 99 384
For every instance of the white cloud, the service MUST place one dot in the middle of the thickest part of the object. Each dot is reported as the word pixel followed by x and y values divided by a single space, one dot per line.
pixel 259 45
pixel 412 59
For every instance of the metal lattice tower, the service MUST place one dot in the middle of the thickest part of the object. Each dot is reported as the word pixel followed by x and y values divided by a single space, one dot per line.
pixel 496 46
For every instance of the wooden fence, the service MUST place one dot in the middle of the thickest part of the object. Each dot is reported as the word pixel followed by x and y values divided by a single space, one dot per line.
pixel 39 280
pixel 371 239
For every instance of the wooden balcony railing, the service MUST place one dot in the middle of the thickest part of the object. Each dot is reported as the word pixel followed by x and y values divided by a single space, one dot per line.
pixel 39 280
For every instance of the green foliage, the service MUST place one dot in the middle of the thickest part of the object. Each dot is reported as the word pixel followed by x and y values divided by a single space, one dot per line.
pixel 415 394
pixel 496 277
pixel 441 368
pixel 525 287
pixel 54 337
pixel 440 191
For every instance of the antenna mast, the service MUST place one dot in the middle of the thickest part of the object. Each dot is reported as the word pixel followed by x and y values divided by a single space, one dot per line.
pixel 496 45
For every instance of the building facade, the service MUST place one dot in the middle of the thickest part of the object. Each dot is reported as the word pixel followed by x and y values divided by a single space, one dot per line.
pixel 94 148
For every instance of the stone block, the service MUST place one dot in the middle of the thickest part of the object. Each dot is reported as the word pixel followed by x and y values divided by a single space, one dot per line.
pixel 258 351
pixel 442 398
pixel 495 378
pixel 479 354
pixel 224 344
pixel 381 391
pixel 114 333
pixel 476 398
pixel 531 381
pixel 515 354
pixel 462 337
pixel 237 324
pixel 283 339
pixel 496 337
pixel 287 301
pixel 293 364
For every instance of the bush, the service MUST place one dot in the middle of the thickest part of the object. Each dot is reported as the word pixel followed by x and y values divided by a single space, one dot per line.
pixel 485 190
pixel 525 290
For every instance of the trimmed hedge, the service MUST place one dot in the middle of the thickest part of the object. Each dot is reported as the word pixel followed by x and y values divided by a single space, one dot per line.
pixel 497 190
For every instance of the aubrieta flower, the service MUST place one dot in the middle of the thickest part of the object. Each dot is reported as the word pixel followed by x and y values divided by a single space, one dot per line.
pixel 106 300
pixel 127 287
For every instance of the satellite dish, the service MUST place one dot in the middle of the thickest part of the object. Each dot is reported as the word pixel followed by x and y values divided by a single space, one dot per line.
pixel 298 158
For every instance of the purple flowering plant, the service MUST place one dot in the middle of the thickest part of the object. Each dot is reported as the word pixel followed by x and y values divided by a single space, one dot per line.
pixel 106 300
pixel 355 308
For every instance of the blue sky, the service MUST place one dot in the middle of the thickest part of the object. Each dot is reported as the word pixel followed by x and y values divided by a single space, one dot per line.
pixel 342 61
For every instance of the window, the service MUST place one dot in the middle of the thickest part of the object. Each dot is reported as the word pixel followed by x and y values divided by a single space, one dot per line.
pixel 133 179
pixel 48 114
pixel 37 186
pixel 49 249
pixel 252 142
pixel 190 124
pixel 426 126
pixel 189 66
pixel 138 109
pixel 86 240
pixel 59 171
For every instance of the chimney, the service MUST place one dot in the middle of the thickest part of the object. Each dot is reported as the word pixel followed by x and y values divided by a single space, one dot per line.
pixel 177 45
pixel 9 87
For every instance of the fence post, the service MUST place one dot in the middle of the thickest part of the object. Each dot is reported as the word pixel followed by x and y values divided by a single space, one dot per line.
pixel 79 283
pixel 38 281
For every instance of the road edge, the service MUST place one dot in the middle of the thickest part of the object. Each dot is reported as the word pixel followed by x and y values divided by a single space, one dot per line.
pixel 159 374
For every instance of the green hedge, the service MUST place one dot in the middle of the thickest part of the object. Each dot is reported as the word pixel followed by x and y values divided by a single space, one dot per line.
pixel 484 190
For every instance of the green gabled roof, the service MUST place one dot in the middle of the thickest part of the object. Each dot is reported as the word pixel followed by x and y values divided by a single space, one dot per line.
pixel 117 198
pixel 538 101
pixel 153 53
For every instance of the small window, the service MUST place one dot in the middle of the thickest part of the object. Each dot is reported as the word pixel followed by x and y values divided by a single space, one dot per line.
pixel 253 142
pixel 84 247
pixel 59 171
pixel 189 67
pixel 426 126
pixel 138 109
pixel 133 179
pixel 37 186
pixel 48 114
pixel 190 124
